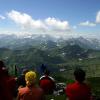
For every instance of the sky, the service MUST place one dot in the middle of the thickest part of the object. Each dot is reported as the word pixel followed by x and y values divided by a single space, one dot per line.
pixel 53 17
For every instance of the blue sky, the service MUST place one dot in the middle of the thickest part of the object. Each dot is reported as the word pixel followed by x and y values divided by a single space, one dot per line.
pixel 59 17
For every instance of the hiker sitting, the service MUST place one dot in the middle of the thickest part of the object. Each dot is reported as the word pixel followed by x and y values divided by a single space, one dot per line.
pixel 47 83
pixel 78 90
pixel 31 91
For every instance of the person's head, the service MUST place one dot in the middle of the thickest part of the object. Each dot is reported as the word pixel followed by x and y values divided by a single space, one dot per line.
pixel 24 71
pixel 6 72
pixel 30 78
pixel 79 75
pixel 2 64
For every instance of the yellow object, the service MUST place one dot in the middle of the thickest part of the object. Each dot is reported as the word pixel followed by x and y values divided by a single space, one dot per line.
pixel 30 77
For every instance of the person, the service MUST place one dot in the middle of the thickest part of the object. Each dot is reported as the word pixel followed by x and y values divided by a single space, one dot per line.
pixel 31 91
pixel 7 83
pixel 3 90
pixel 47 83
pixel 78 90
pixel 11 83
pixel 21 79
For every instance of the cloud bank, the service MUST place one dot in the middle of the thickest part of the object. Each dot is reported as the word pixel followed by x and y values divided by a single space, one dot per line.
pixel 48 25
pixel 87 23
pixel 57 24
pixel 25 20
pixel 52 26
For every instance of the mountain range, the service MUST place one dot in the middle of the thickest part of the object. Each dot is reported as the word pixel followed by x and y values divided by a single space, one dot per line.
pixel 46 42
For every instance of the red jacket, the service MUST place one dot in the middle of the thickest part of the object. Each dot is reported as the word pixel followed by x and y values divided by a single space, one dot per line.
pixel 78 91
pixel 32 93
pixel 7 84
pixel 47 83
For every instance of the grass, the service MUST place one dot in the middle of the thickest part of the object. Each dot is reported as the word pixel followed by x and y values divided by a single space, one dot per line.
pixel 60 97
pixel 95 85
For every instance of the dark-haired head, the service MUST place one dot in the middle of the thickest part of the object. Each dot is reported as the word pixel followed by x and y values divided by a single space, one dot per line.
pixel 5 70
pixel 2 64
pixel 24 71
pixel 79 75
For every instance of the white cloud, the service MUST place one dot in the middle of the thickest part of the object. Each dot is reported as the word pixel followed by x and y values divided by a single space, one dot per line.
pixel 98 17
pixel 87 23
pixel 47 25
pixel 2 17
pixel 57 24
pixel 25 20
